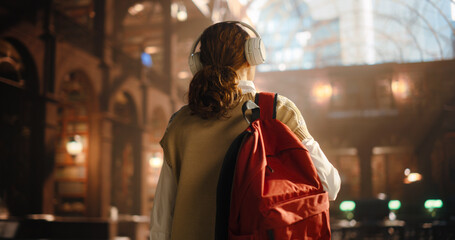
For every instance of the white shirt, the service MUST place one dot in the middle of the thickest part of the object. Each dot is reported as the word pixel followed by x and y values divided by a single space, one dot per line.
pixel 164 202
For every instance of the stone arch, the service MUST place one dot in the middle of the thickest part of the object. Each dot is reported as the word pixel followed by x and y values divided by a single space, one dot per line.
pixel 76 117
pixel 81 76
pixel 23 60
pixel 131 86
pixel 21 141
pixel 126 162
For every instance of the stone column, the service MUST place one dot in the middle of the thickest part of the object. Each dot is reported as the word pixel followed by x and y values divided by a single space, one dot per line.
pixel 51 134
pixel 102 184
pixel 365 153
pixel 105 165
pixel 49 108
pixel 168 41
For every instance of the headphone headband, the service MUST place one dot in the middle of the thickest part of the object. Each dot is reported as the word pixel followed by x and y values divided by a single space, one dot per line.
pixel 193 48
pixel 254 50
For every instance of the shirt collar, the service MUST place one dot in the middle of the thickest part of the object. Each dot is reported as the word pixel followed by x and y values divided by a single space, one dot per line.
pixel 247 86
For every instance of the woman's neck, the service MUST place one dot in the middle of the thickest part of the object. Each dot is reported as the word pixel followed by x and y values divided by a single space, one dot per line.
pixel 246 73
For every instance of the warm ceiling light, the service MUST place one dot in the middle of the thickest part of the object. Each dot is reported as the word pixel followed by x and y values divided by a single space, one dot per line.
pixel 151 49
pixel 178 10
pixel 137 8
pixel 183 75
pixel 182 15
pixel 400 89
pixel 322 92
pixel 413 177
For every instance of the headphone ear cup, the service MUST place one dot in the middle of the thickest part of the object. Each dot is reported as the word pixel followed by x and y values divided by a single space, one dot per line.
pixel 194 61
pixel 255 51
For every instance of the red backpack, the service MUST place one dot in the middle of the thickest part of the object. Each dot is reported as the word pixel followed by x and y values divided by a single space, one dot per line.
pixel 268 186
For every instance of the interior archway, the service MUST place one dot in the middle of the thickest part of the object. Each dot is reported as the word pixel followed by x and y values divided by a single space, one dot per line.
pixel 71 170
pixel 21 135
pixel 126 156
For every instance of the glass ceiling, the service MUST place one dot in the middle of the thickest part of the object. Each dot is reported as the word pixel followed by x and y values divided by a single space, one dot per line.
pixel 306 34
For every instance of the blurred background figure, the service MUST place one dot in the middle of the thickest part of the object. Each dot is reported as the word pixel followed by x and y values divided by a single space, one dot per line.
pixel 87 88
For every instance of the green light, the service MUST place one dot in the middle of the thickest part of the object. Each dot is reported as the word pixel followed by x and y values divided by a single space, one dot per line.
pixel 346 206
pixel 394 204
pixel 433 203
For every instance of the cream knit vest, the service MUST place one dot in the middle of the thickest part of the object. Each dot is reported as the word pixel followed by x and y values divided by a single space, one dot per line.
pixel 195 150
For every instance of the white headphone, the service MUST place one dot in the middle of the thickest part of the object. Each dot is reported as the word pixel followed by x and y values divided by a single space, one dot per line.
pixel 254 50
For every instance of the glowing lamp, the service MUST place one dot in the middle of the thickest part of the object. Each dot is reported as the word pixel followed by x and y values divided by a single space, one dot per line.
pixel 431 204
pixel 400 88
pixel 394 205
pixel 183 75
pixel 347 206
pixel 178 10
pixel 137 8
pixel 182 15
pixel 413 177
pixel 322 93
pixel 74 145
pixel 156 161
pixel 151 49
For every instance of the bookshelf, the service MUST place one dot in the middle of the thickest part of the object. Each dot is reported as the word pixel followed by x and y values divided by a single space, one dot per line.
pixel 70 172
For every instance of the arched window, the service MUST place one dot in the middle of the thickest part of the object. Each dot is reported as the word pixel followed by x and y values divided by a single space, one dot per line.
pixel 11 64
pixel 303 34
pixel 293 38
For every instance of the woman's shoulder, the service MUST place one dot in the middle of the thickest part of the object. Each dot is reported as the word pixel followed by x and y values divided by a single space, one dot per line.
pixel 285 102
pixel 289 113
pixel 174 122
pixel 182 113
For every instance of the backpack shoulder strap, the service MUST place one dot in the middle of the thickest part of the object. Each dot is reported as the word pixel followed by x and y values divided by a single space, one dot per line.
pixel 267 103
